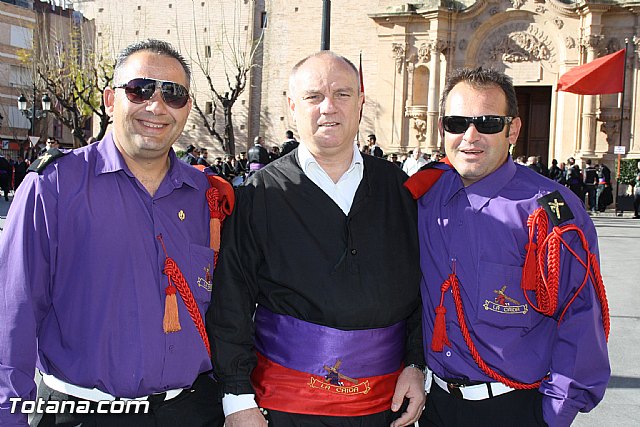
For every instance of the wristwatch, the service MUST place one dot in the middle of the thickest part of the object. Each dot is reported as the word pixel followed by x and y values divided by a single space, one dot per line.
pixel 421 368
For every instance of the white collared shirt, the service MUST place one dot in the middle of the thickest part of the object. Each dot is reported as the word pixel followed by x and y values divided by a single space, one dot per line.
pixel 342 193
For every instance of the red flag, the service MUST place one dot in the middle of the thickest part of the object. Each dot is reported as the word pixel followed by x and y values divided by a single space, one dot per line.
pixel 603 75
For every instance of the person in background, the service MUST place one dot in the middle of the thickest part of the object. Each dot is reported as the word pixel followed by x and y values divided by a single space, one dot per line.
pixel 374 149
pixel 289 144
pixel 604 194
pixel 636 195
pixel 414 162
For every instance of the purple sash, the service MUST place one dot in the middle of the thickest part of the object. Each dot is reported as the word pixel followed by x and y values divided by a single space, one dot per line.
pixel 308 347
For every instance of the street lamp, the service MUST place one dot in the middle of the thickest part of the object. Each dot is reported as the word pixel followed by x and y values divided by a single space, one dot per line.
pixel 33 114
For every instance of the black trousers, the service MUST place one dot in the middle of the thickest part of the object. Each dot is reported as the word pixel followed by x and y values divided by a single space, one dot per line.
pixel 522 408
pixel 197 407
pixel 284 419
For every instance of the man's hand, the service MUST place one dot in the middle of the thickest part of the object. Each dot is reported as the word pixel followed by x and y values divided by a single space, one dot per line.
pixel 247 418
pixel 410 385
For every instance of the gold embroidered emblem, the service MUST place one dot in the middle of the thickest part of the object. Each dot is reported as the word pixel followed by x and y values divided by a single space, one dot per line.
pixel 181 215
pixel 505 304
pixel 334 382
pixel 45 158
pixel 206 282
pixel 555 207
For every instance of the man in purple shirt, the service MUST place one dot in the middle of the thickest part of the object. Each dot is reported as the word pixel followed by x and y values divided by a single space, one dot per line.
pixel 86 297
pixel 496 360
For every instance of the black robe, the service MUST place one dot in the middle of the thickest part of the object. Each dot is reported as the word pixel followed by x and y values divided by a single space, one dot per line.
pixel 289 247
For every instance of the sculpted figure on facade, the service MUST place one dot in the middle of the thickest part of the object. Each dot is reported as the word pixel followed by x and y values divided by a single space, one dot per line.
pixel 520 47
pixel 420 126
pixel 424 54
pixel 398 55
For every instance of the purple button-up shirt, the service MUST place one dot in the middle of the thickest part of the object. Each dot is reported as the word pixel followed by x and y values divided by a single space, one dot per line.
pixel 484 228
pixel 82 288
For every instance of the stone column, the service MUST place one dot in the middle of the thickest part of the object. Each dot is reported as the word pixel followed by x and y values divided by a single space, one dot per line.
pixel 588 136
pixel 435 48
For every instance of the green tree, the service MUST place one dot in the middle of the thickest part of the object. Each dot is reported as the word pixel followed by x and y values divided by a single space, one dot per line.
pixel 628 172
pixel 73 74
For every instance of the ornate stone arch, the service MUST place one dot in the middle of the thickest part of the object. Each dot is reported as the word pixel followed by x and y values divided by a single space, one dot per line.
pixel 512 40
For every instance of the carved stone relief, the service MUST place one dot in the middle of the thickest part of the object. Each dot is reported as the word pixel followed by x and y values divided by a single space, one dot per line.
pixel 424 53
pixel 463 44
pixel 439 46
pixel 517 42
pixel 559 23
pixel 519 47
pixel 517 4
pixel 493 11
pixel 540 9
pixel 398 55
pixel 420 126
pixel 591 41
pixel 613 46
pixel 570 42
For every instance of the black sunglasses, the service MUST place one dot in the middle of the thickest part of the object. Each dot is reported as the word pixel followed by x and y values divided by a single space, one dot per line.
pixel 142 89
pixel 483 124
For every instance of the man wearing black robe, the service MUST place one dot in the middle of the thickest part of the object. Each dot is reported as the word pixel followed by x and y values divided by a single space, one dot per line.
pixel 324 241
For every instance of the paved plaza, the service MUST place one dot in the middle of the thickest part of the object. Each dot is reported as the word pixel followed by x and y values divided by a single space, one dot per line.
pixel 619 239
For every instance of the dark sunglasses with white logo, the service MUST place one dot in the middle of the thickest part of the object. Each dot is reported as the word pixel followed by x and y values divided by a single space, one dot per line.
pixel 483 124
pixel 141 90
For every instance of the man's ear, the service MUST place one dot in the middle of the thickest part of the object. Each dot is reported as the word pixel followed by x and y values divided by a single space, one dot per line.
pixel 292 108
pixel 109 100
pixel 513 130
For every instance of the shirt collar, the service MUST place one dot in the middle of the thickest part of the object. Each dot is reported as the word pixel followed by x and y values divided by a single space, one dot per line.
pixel 306 159
pixel 479 193
pixel 110 160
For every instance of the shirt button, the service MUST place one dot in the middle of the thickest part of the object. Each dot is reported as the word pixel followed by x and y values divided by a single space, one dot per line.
pixel 353 251
pixel 448 354
pixel 171 347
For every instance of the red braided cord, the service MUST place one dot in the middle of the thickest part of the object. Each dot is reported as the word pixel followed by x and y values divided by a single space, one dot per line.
pixel 213 199
pixel 455 288
pixel 547 285
pixel 171 269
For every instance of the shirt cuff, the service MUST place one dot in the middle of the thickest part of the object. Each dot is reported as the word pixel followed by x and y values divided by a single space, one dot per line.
pixel 232 403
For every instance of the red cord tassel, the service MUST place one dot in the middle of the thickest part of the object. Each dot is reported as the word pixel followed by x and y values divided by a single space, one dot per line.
pixel 440 337
pixel 171 321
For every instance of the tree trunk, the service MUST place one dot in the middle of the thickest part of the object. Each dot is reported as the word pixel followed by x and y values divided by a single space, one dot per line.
pixel 104 124
pixel 229 137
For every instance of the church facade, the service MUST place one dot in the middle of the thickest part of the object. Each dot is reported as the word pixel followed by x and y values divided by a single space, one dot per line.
pixel 406 51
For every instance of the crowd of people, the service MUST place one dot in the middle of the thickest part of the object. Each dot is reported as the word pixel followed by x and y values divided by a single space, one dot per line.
pixel 13 170
pixel 340 292
pixel 236 169
pixel 592 184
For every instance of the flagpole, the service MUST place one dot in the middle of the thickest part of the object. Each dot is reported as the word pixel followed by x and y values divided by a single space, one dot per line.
pixel 624 82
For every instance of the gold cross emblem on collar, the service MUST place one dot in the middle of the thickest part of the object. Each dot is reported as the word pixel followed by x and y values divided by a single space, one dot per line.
pixel 45 158
pixel 555 207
